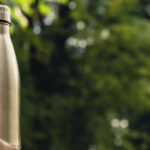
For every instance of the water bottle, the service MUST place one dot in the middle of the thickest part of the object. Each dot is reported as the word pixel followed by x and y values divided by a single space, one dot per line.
pixel 9 83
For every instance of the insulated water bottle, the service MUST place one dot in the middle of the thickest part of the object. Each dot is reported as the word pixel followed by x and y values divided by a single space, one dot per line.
pixel 9 84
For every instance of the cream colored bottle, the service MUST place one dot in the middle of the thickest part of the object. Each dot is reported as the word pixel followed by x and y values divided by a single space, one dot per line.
pixel 9 84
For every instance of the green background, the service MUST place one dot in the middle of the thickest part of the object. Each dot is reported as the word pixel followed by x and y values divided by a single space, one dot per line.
pixel 85 73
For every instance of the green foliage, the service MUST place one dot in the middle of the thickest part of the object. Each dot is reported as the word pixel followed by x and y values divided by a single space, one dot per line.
pixel 44 9
pixel 85 73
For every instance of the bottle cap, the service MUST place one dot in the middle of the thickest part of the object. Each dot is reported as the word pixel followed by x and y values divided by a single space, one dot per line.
pixel 5 14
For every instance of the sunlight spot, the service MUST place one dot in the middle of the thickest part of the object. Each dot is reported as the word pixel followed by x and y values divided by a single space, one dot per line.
pixel 101 10
pixel 105 34
pixel 37 29
pixel 80 25
pixel 82 43
pixel 49 19
pixel 115 123
pixel 72 5
pixel 72 41
pixel 124 123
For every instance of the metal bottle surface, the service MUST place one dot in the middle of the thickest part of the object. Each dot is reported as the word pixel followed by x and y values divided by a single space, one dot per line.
pixel 9 84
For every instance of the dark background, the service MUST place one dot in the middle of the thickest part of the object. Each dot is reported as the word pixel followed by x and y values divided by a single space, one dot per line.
pixel 85 73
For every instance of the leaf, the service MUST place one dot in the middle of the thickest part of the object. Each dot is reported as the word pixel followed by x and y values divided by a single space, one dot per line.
pixel 25 5
pixel 19 17
pixel 44 8
pixel 59 1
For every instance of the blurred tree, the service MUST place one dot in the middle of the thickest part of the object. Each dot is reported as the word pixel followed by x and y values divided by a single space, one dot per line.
pixel 85 73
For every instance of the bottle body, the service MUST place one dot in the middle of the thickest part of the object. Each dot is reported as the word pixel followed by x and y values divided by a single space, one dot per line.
pixel 9 90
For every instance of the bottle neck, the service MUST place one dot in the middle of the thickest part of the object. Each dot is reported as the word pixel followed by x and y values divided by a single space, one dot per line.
pixel 4 28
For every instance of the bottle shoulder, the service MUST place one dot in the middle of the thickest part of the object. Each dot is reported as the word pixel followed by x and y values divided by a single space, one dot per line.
pixel 7 53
